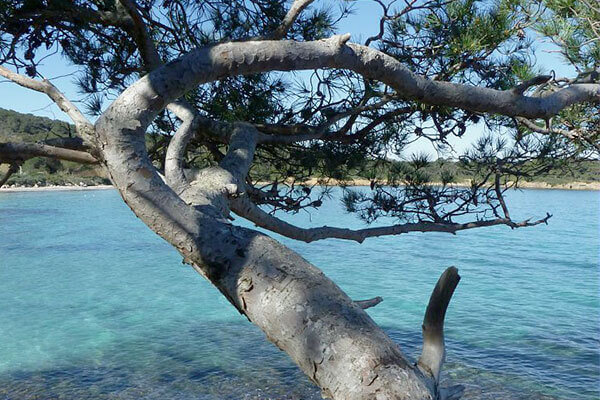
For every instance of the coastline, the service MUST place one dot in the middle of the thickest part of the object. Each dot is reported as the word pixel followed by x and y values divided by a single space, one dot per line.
pixel 56 188
pixel 522 185
pixel 314 181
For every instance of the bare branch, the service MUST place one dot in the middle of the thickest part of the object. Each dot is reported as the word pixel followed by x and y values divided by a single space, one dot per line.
pixel 176 150
pixel 297 7
pixel 83 126
pixel 434 352
pixel 571 135
pixel 245 208
pixel 240 58
pixel 364 304
pixel 14 167
pixel 538 80
pixel 214 185
pixel 19 152
pixel 240 154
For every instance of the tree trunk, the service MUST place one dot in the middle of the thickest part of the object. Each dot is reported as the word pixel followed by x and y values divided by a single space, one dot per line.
pixel 301 311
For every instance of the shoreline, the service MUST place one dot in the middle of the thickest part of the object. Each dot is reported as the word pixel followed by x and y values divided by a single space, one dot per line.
pixel 522 185
pixel 57 188
pixel 594 186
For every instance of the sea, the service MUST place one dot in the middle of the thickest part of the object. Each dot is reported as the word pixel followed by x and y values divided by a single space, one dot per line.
pixel 93 305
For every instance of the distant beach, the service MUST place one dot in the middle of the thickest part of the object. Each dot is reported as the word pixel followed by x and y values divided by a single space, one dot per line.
pixel 522 184
pixel 53 188
pixel 315 181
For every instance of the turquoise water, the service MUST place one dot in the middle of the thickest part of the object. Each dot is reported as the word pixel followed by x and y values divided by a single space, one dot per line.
pixel 95 306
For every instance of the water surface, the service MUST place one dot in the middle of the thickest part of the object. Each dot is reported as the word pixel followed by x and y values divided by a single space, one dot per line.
pixel 93 305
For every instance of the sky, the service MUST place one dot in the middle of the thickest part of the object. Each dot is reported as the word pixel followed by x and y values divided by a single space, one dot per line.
pixel 362 24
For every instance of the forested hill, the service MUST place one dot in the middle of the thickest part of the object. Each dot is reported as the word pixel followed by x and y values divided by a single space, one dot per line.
pixel 18 127
pixel 15 126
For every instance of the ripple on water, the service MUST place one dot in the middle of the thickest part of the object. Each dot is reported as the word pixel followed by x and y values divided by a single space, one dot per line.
pixel 94 306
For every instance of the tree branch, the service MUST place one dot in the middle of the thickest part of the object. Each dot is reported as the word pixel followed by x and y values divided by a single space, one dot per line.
pixel 434 352
pixel 538 80
pixel 14 167
pixel 297 7
pixel 364 304
pixel 176 151
pixel 83 126
pixel 241 58
pixel 571 135
pixel 245 208
pixel 141 36
pixel 215 185
pixel 19 152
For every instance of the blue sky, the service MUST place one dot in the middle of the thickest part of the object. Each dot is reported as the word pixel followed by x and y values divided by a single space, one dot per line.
pixel 362 24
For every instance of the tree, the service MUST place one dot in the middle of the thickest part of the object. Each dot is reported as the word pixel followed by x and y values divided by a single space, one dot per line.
pixel 202 85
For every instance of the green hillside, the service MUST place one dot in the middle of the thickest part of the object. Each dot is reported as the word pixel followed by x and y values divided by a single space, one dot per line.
pixel 17 127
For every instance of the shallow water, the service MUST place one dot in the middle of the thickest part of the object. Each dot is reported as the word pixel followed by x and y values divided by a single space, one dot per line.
pixel 95 306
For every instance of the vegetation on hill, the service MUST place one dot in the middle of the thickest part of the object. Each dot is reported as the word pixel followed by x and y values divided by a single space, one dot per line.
pixel 18 127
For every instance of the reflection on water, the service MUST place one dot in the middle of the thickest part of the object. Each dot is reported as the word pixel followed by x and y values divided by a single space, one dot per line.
pixel 93 305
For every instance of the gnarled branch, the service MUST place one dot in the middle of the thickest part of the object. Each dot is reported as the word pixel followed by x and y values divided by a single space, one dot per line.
pixel 241 58
pixel 290 300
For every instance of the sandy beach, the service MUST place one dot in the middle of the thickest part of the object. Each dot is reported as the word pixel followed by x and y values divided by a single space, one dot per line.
pixel 314 181
pixel 522 184
pixel 53 188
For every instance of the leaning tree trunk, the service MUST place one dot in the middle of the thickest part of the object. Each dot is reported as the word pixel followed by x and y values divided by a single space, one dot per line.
pixel 300 310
